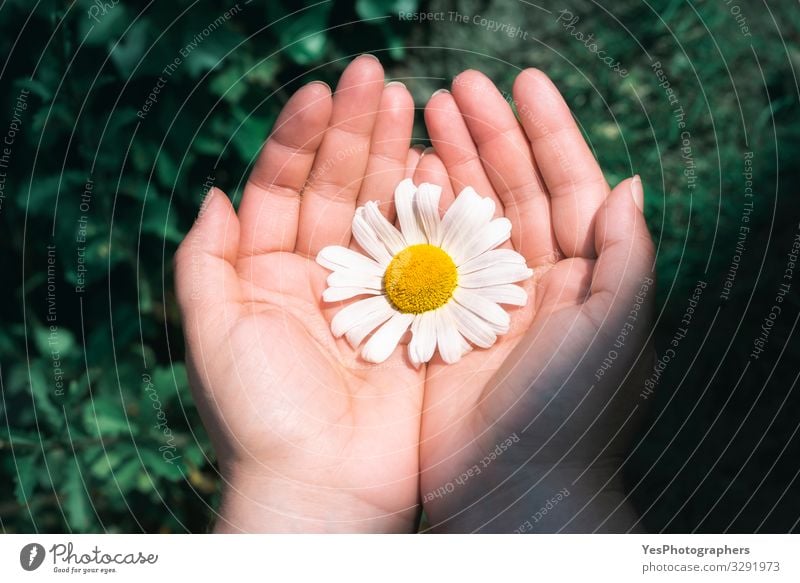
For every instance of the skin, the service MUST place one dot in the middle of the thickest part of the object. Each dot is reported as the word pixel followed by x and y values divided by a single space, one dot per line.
pixel 309 437
pixel 592 255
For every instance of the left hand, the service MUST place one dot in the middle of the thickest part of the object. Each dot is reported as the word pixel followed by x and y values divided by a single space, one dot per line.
pixel 541 385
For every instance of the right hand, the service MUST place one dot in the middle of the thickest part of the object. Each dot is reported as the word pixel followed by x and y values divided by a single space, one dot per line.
pixel 308 436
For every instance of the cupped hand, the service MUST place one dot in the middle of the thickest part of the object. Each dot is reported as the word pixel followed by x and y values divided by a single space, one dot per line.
pixel 552 404
pixel 308 436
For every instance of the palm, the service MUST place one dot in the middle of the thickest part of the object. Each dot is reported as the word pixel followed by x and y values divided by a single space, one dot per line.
pixel 282 397
pixel 308 384
pixel 541 172
pixel 466 413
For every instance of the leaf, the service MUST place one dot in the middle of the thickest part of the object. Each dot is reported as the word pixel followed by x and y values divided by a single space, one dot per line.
pixel 159 221
pixel 263 73
pixel 126 474
pixel 36 87
pixel 26 477
pixel 250 134
pixel 368 9
pixel 42 387
pixel 166 169
pixel 128 52
pixel 303 35
pixel 106 417
pixel 100 24
pixel 228 84
pixel 46 191
pixel 161 466
pixel 171 380
pixel 98 258
pixel 52 340
pixel 76 503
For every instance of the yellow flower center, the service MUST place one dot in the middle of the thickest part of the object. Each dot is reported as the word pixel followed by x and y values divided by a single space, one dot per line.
pixel 420 278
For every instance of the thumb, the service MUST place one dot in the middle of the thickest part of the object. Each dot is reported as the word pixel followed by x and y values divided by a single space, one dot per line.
pixel 624 271
pixel 205 277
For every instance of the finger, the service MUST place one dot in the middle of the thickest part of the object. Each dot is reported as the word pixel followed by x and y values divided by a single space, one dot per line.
pixel 625 262
pixel 431 169
pixel 571 174
pixel 453 143
pixel 329 200
pixel 271 203
pixel 391 139
pixel 412 159
pixel 206 283
pixel 508 162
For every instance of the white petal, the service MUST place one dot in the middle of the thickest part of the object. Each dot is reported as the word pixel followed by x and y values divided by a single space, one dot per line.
pixel 505 294
pixel 357 333
pixel 423 339
pixel 472 327
pixel 404 204
pixel 466 347
pixel 461 208
pixel 385 231
pixel 358 312
pixel 483 307
pixel 335 257
pixel 337 294
pixel 369 241
pixel 499 274
pixel 427 210
pixel 450 342
pixel 353 278
pixel 464 219
pixel 490 236
pixel 381 345
pixel 489 258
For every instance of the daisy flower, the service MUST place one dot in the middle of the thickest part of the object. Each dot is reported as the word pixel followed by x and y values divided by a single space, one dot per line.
pixel 441 277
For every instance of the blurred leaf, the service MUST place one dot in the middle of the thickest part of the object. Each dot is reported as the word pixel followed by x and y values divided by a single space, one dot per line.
pixel 157 465
pixel 46 190
pixel 376 8
pixel 127 54
pixel 159 221
pixel 97 25
pixel 26 476
pixel 104 415
pixel 171 380
pixel 166 169
pixel 58 341
pixel 250 134
pixel 42 390
pixel 303 37
pixel 126 473
pixel 76 503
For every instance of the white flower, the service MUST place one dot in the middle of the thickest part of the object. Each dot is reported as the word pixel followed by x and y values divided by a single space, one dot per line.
pixel 443 278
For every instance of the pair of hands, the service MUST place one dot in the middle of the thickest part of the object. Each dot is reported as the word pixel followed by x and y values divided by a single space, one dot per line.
pixel 309 437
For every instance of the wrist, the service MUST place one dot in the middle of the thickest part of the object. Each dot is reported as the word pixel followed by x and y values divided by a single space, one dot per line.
pixel 525 498
pixel 257 503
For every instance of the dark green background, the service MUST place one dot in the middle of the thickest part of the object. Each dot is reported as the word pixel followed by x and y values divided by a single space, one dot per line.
pixel 722 450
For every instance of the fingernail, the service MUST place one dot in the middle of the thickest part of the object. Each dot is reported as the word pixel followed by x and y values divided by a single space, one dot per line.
pixel 418 148
pixel 321 83
pixel 440 92
pixel 206 201
pixel 637 192
pixel 396 84
pixel 371 56
pixel 426 151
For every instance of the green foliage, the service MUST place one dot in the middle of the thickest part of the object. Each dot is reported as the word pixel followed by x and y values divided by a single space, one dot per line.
pixel 99 429
pixel 716 453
